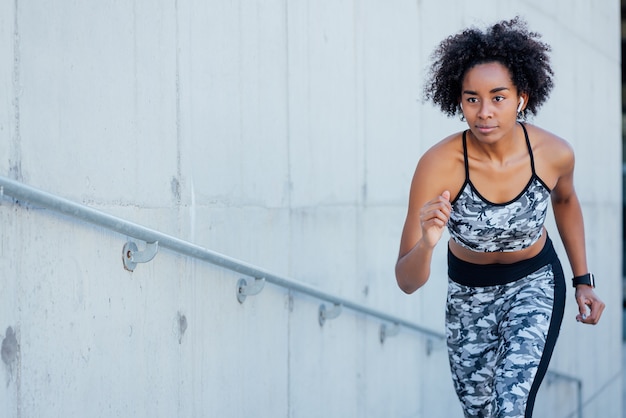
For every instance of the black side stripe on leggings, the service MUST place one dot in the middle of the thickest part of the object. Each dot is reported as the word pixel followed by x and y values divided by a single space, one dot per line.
pixel 558 310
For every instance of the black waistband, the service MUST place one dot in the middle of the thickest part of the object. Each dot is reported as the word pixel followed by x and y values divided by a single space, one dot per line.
pixel 481 275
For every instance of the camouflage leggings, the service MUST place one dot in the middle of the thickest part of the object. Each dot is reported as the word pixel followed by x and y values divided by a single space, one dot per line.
pixel 501 337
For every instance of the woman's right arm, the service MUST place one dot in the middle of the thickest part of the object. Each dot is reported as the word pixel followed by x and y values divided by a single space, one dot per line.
pixel 427 215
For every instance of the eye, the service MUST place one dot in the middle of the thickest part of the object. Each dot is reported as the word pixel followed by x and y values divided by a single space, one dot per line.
pixel 472 100
pixel 498 98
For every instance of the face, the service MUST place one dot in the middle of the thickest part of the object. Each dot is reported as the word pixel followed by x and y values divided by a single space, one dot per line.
pixel 489 101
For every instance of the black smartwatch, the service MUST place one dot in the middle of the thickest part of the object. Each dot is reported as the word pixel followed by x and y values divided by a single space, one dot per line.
pixel 587 279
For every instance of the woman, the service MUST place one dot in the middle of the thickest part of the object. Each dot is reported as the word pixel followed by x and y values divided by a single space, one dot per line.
pixel 491 186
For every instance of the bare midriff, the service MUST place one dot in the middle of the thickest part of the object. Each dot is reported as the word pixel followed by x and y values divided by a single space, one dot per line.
pixel 476 257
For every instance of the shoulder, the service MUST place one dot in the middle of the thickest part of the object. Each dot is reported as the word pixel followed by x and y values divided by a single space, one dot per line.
pixel 550 149
pixel 554 156
pixel 441 167
pixel 444 154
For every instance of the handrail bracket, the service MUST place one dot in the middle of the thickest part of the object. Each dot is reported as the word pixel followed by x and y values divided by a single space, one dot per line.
pixel 387 331
pixel 131 254
pixel 331 313
pixel 251 288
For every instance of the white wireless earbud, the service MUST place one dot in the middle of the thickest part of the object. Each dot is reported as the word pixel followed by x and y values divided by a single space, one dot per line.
pixel 521 103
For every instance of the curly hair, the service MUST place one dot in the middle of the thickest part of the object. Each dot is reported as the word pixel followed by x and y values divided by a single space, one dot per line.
pixel 507 42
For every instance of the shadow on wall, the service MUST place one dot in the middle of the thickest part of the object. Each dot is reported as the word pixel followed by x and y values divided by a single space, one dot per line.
pixel 8 352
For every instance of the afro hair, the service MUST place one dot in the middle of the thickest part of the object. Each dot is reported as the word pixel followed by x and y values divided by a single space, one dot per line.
pixel 507 42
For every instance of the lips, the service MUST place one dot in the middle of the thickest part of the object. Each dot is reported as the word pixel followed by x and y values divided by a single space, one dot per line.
pixel 485 129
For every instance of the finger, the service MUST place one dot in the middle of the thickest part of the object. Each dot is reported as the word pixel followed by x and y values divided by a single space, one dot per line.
pixel 445 199
pixel 583 310
pixel 434 221
pixel 441 217
pixel 438 204
pixel 436 212
pixel 595 312
pixel 596 309
pixel 589 320
pixel 582 305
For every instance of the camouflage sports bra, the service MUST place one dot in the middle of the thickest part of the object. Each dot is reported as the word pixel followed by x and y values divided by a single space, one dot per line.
pixel 480 225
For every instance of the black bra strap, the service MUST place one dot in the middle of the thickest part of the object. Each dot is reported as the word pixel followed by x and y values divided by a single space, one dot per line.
pixel 530 149
pixel 465 156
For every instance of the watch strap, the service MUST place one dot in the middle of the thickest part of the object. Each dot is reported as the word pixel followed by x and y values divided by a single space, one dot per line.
pixel 587 279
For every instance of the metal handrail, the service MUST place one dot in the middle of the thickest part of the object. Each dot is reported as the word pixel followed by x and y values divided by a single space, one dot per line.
pixel 20 191
pixel 35 196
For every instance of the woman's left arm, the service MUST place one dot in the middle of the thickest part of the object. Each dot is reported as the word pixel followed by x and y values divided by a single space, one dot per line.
pixel 569 220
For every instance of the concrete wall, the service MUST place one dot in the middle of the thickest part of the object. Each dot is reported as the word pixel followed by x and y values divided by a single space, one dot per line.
pixel 283 133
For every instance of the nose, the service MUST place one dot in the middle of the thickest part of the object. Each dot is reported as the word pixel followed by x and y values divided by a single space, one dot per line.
pixel 485 111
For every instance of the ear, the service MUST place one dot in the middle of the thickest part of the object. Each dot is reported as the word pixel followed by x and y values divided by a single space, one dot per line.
pixel 523 101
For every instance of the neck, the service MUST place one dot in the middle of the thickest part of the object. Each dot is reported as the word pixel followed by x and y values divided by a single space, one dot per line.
pixel 500 150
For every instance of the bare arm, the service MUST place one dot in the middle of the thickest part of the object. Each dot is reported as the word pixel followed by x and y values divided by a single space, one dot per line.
pixel 413 267
pixel 428 213
pixel 569 220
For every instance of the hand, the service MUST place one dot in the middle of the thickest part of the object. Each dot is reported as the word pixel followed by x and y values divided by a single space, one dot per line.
pixel 433 218
pixel 590 307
